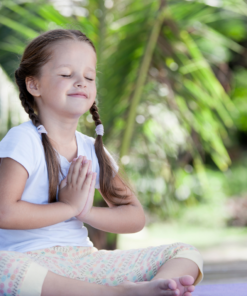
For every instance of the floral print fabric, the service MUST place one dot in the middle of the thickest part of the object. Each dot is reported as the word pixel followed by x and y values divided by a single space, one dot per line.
pixel 88 264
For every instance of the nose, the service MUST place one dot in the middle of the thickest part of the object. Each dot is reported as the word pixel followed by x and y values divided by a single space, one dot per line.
pixel 80 82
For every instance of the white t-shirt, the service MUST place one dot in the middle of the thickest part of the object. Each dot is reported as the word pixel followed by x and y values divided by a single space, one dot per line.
pixel 23 143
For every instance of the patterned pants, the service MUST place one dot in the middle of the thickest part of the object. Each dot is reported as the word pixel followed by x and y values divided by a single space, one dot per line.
pixel 23 274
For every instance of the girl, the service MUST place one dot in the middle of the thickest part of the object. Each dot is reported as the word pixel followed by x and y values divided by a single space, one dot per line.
pixel 48 174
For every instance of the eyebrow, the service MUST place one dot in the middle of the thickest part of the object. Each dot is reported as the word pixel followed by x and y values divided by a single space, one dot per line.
pixel 68 65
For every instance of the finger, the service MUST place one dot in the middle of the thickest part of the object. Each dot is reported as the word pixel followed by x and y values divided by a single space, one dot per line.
pixel 92 185
pixel 90 199
pixel 83 173
pixel 89 167
pixel 75 172
pixel 63 183
pixel 86 185
pixel 69 178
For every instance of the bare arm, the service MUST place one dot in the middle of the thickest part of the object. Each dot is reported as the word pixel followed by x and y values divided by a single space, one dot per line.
pixel 117 219
pixel 18 214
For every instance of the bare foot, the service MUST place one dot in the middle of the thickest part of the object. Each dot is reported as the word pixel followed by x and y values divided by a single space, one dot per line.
pixel 181 286
pixel 185 285
pixel 159 287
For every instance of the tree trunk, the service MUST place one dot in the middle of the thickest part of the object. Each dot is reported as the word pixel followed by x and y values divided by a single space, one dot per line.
pixel 102 239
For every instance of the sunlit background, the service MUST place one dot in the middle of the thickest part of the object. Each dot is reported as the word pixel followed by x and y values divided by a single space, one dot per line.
pixel 171 88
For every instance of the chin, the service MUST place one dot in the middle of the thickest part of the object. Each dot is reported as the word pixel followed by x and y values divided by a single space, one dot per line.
pixel 79 112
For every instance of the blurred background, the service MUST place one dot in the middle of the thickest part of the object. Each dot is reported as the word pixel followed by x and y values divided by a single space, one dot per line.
pixel 172 93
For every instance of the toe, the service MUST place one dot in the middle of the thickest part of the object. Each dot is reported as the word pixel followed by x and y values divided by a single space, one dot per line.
pixel 186 280
pixel 187 294
pixel 189 288
pixel 168 284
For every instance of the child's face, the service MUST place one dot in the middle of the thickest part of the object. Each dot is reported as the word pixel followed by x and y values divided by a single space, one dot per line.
pixel 57 82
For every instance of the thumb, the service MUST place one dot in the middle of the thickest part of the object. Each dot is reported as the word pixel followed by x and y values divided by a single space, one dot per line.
pixel 63 183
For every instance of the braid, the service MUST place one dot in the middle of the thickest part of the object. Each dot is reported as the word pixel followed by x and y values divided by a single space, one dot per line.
pixel 106 170
pixel 95 114
pixel 26 99
pixel 26 105
pixel 53 165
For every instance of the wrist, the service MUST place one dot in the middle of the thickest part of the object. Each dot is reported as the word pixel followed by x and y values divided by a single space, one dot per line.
pixel 86 217
pixel 73 212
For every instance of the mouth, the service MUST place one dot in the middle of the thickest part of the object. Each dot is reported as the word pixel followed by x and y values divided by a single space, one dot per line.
pixel 78 95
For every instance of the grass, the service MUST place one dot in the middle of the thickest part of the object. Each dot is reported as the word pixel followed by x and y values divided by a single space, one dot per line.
pixel 167 233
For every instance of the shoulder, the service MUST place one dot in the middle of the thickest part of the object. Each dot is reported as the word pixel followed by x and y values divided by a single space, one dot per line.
pixel 23 144
pixel 22 132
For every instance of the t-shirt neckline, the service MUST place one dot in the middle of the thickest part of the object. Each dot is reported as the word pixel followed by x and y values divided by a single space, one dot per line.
pixel 63 157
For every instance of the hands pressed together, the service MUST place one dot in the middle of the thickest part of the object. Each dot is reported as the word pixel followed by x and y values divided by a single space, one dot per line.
pixel 77 188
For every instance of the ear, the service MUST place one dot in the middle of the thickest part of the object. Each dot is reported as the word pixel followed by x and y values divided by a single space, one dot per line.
pixel 32 86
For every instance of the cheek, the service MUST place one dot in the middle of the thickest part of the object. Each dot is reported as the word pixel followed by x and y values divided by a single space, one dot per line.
pixel 54 91
pixel 93 90
pixel 52 86
pixel 61 84
pixel 58 89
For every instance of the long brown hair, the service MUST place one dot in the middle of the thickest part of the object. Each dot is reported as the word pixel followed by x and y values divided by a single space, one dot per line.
pixel 36 54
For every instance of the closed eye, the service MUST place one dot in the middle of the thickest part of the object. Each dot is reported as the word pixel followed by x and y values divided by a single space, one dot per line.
pixel 70 76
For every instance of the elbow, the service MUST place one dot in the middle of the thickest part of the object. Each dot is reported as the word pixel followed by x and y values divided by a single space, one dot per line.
pixel 140 222
pixel 4 217
pixel 2 220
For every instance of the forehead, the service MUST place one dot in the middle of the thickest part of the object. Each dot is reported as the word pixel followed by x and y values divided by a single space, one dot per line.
pixel 70 53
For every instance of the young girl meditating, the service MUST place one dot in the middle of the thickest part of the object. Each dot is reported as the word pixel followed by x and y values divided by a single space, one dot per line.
pixel 48 175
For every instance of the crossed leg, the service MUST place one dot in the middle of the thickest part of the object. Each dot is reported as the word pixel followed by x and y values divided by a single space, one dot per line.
pixel 176 269
pixel 169 281
pixel 56 285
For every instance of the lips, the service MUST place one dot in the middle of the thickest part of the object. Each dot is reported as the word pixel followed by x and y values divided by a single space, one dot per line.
pixel 78 94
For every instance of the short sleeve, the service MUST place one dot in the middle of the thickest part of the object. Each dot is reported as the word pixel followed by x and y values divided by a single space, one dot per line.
pixel 18 145
pixel 114 165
